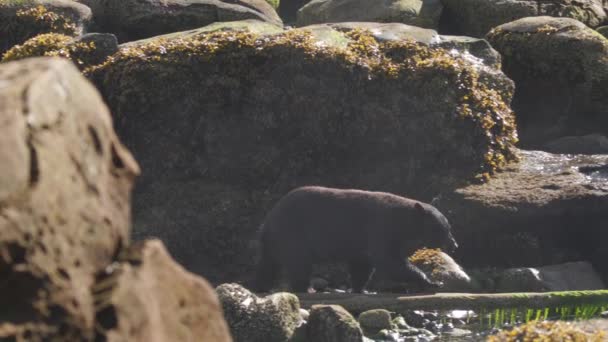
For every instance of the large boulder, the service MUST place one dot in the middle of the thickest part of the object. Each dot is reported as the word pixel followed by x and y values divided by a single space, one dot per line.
pixel 21 20
pixel 545 210
pixel 561 71
pixel 250 115
pixel 477 17
pixel 65 186
pixel 146 296
pixel 253 319
pixel 423 13
pixel 65 265
pixel 137 19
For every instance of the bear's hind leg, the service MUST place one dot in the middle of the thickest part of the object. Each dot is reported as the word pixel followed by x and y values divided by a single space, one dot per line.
pixel 267 273
pixel 298 275
pixel 360 273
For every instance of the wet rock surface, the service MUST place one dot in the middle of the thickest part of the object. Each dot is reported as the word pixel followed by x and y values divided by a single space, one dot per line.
pixel 507 219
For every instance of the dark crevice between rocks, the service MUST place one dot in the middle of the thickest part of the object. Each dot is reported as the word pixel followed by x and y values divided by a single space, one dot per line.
pixel 106 319
pixel 96 141
pixel 34 167
pixel 116 160
pixel 18 287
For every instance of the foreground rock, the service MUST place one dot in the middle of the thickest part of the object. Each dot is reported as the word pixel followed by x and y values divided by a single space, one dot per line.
pixel 254 319
pixel 149 297
pixel 273 111
pixel 561 71
pixel 137 19
pixel 548 209
pixel 373 321
pixel 332 323
pixel 422 13
pixel 65 187
pixel 21 20
pixel 477 17
pixel 593 330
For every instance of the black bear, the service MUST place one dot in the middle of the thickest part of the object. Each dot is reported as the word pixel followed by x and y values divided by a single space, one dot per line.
pixel 371 231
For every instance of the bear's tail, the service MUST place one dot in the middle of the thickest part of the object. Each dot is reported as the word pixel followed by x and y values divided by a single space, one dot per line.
pixel 267 270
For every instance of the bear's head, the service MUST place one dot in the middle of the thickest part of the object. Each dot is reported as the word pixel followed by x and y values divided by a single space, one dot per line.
pixel 434 230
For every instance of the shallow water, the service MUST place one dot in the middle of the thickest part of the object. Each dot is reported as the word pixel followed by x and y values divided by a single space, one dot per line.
pixel 592 168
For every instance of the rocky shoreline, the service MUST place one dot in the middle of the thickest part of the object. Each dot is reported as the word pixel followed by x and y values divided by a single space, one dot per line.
pixel 492 111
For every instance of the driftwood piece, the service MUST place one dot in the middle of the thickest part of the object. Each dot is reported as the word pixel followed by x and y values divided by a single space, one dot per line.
pixel 356 303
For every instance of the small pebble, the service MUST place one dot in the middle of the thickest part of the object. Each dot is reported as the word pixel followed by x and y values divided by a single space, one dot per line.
pixel 458 322
pixel 425 332
pixel 447 327
pixel 431 316
pixel 400 323
pixel 304 314
pixel 432 326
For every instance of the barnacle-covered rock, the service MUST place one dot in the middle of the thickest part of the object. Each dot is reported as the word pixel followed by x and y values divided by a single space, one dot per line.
pixel 560 67
pixel 239 117
pixel 21 20
pixel 85 51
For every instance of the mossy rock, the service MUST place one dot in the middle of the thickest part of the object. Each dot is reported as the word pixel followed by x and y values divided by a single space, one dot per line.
pixel 477 17
pixel 560 67
pixel 233 111
pixel 550 331
pixel 21 20
pixel 254 319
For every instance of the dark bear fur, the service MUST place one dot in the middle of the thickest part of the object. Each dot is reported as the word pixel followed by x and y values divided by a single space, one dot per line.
pixel 368 230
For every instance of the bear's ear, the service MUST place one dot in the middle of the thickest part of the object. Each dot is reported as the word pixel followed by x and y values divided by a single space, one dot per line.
pixel 419 208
